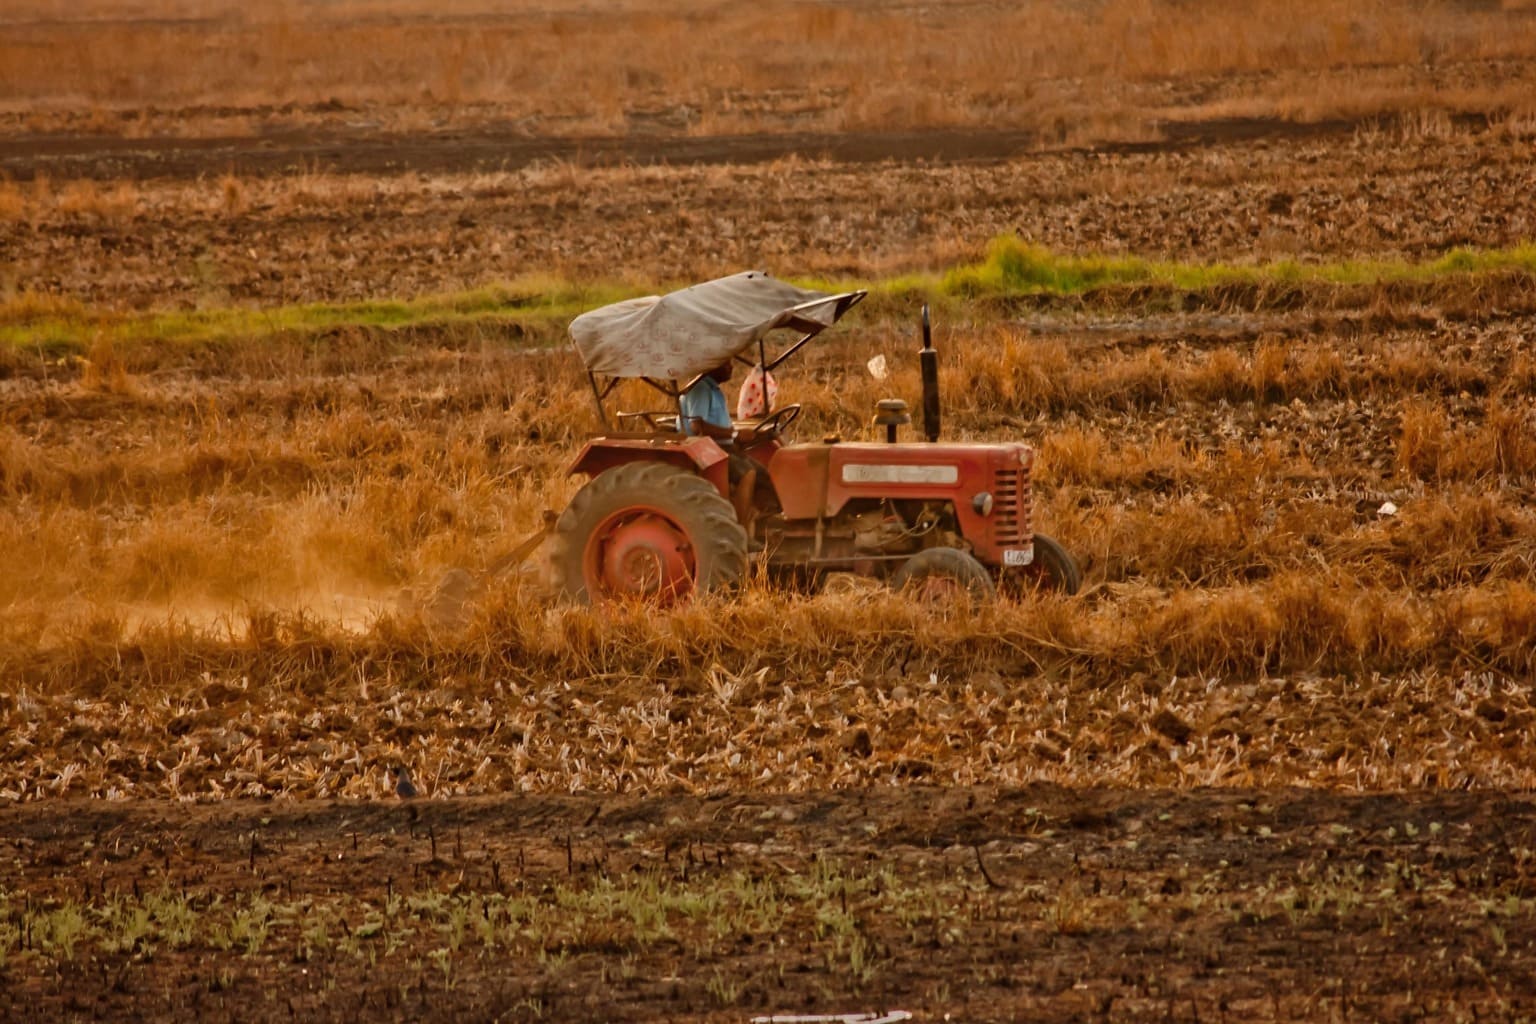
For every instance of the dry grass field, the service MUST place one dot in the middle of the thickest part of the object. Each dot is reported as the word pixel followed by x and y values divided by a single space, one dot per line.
pixel 282 306
pixel 1068 70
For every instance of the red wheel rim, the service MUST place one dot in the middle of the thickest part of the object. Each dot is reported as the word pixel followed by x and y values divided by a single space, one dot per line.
pixel 640 553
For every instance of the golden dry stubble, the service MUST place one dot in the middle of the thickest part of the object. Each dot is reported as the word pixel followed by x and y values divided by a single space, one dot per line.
pixel 213 558
pixel 1294 681
pixel 342 472
pixel 1076 75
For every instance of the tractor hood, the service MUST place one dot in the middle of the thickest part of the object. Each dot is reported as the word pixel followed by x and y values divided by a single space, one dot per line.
pixel 685 333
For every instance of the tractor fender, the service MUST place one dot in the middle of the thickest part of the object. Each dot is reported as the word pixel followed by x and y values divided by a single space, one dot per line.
pixel 699 455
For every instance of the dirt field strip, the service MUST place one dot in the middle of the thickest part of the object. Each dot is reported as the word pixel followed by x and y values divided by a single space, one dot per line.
pixel 1029 904
pixel 221 239
pixel 533 313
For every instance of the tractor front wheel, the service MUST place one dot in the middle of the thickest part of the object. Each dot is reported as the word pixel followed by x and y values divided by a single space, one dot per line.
pixel 1053 569
pixel 648 531
pixel 939 575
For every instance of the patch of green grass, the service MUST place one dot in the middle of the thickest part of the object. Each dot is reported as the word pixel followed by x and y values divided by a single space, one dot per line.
pixel 537 309
pixel 1017 269
pixel 60 327
pixel 1014 267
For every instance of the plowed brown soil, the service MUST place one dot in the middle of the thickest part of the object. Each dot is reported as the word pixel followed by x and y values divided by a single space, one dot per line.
pixel 209 239
pixel 1038 904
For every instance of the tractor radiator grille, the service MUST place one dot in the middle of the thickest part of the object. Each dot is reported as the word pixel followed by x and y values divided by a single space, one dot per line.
pixel 1011 505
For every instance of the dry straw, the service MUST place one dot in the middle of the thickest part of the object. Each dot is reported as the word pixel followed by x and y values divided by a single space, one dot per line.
pixel 213 577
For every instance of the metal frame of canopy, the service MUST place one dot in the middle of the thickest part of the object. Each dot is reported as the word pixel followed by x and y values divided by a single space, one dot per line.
pixel 603 385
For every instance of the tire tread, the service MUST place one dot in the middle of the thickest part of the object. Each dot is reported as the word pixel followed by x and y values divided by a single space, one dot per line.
pixel 721 548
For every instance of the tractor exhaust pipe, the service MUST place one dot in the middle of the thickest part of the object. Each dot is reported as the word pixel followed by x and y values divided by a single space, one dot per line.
pixel 929 360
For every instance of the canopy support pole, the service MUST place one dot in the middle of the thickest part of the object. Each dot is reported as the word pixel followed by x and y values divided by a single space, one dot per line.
pixel 597 396
pixel 762 360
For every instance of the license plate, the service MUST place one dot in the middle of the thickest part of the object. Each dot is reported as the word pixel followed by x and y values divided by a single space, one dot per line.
pixel 1019 556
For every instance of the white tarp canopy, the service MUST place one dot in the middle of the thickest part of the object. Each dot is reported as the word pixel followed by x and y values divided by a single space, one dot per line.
pixel 685 333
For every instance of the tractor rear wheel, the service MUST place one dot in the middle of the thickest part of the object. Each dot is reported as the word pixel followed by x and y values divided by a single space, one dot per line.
pixel 944 574
pixel 1053 569
pixel 648 531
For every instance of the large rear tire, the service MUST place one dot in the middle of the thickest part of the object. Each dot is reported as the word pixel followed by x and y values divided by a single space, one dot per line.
pixel 939 575
pixel 1054 569
pixel 647 531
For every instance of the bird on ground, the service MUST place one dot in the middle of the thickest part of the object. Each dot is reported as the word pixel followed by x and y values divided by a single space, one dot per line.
pixel 405 789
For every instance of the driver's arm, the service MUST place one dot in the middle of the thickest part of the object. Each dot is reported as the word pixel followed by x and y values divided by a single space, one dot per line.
pixel 704 428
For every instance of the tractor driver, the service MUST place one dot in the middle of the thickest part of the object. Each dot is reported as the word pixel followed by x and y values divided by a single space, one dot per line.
pixel 706 415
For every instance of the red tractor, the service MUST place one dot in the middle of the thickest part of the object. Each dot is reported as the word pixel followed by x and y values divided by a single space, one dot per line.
pixel 656 521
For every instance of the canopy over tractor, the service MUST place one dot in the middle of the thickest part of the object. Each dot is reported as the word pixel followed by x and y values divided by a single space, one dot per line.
pixel 682 334
pixel 670 340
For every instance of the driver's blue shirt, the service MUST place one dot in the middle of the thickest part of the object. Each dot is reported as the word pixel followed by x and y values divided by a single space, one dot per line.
pixel 704 401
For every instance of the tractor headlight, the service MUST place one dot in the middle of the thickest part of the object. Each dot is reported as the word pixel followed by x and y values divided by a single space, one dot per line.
pixel 982 503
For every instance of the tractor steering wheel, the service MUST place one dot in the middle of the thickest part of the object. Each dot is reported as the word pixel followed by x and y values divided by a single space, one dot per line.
pixel 776 422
